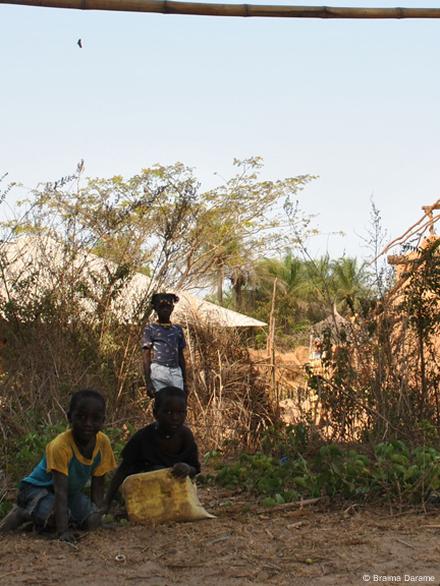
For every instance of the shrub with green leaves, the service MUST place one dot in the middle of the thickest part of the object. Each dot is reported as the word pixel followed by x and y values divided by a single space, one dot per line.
pixel 392 472
pixel 28 450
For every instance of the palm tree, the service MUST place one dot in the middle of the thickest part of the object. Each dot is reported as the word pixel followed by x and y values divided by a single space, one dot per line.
pixel 292 288
pixel 349 283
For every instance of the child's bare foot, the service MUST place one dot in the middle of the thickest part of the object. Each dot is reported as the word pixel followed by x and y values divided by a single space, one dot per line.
pixel 14 519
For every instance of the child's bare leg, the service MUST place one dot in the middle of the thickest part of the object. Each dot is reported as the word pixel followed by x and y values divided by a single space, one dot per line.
pixel 14 519
pixel 85 514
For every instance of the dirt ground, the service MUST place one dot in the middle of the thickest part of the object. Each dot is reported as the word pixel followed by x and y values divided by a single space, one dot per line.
pixel 243 545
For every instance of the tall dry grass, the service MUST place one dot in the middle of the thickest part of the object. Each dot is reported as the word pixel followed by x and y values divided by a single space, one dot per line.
pixel 63 330
pixel 42 363
pixel 230 403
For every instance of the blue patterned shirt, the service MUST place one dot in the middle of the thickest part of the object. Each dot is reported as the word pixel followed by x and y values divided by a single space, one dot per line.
pixel 165 341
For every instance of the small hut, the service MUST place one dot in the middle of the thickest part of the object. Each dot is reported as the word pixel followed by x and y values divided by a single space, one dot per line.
pixel 331 331
pixel 334 325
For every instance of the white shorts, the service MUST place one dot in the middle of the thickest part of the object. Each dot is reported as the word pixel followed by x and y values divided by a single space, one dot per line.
pixel 165 376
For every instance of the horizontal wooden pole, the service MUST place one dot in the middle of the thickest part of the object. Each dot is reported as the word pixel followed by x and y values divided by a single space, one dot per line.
pixel 246 10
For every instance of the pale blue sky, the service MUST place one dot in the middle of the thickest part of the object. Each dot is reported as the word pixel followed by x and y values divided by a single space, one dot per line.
pixel 355 102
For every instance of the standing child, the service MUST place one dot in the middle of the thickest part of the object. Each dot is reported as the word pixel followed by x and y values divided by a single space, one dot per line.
pixel 52 493
pixel 166 443
pixel 162 348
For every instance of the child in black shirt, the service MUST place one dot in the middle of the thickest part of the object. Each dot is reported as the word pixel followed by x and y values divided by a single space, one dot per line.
pixel 166 443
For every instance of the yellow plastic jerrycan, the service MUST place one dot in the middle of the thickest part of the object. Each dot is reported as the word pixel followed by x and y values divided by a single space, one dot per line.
pixel 155 497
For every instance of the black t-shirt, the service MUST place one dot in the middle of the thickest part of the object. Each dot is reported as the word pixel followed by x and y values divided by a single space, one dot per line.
pixel 148 450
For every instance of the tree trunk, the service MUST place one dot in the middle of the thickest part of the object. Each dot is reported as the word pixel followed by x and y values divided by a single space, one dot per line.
pixel 220 280
pixel 238 282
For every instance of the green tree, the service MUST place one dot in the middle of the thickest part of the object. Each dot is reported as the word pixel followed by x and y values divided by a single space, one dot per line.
pixel 306 290
pixel 291 293
pixel 247 218
pixel 349 283
pixel 159 222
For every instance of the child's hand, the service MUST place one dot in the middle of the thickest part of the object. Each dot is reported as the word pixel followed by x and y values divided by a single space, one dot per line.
pixel 181 470
pixel 67 536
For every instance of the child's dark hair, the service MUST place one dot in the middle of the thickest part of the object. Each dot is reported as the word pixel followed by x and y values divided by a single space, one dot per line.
pixel 164 394
pixel 79 396
pixel 156 297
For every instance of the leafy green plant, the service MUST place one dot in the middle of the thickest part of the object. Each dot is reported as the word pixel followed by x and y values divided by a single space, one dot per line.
pixel 118 437
pixel 272 478
pixel 287 440
pixel 341 472
pixel 5 507
pixel 393 471
pixel 28 450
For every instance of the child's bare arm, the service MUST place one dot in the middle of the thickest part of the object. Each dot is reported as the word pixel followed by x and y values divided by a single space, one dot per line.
pixel 146 359
pixel 61 510
pixel 118 477
pixel 182 365
pixel 97 490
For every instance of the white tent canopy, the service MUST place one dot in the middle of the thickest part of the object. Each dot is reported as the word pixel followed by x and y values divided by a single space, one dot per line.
pixel 38 256
pixel 190 305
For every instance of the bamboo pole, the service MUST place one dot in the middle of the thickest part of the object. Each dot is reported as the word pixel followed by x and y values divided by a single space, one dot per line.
pixel 246 10
pixel 418 228
pixel 271 349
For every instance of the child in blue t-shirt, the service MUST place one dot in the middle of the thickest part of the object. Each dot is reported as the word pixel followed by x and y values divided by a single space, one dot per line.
pixel 162 348
pixel 51 495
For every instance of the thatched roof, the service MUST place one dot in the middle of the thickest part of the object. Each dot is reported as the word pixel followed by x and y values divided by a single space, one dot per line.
pixel 333 323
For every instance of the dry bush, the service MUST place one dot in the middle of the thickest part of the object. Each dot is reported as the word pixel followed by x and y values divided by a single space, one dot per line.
pixel 43 362
pixel 381 381
pixel 379 378
pixel 230 404
pixel 62 334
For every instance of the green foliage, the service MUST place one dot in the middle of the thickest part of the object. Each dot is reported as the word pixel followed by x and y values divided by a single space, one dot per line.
pixel 5 507
pixel 349 284
pixel 119 436
pixel 28 450
pixel 287 440
pixel 266 477
pixel 292 308
pixel 407 473
pixel 393 471
pixel 341 472
pixel 305 291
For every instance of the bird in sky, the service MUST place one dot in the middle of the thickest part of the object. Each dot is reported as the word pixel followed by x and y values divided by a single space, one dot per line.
pixel 79 43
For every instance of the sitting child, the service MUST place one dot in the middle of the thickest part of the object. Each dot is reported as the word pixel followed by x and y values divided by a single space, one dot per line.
pixel 166 443
pixel 162 347
pixel 52 493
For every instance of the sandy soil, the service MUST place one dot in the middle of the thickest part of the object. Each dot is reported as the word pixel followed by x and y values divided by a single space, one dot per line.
pixel 243 545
